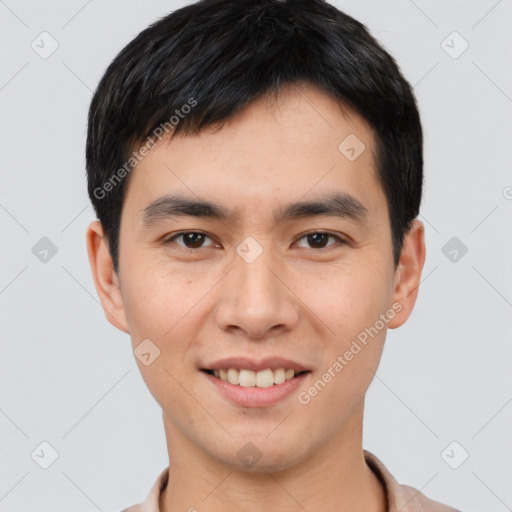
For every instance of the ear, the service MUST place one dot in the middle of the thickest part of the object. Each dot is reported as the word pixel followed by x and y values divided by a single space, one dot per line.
pixel 408 274
pixel 105 278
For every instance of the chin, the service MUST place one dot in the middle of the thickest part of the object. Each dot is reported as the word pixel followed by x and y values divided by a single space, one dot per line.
pixel 257 454
pixel 272 464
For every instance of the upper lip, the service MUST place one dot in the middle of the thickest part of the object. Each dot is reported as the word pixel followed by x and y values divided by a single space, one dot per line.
pixel 255 365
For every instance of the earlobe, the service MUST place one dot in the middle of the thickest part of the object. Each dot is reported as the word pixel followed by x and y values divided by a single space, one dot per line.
pixel 105 278
pixel 408 273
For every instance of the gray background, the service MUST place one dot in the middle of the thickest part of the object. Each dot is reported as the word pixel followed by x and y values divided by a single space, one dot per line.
pixel 69 378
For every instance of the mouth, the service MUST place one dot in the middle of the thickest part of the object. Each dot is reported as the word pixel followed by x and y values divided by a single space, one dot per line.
pixel 266 378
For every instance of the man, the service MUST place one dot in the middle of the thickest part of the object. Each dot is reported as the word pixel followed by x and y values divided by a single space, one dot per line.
pixel 256 169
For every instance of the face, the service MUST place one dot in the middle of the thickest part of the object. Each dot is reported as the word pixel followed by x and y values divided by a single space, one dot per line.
pixel 249 282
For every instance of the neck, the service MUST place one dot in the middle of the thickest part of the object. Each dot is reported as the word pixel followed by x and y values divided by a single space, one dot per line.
pixel 335 478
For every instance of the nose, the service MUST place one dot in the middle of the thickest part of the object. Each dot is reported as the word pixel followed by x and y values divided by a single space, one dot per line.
pixel 255 298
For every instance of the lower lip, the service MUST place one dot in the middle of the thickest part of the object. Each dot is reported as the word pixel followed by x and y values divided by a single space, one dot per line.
pixel 253 396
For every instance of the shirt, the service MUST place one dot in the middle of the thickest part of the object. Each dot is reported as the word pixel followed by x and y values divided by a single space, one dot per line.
pixel 401 498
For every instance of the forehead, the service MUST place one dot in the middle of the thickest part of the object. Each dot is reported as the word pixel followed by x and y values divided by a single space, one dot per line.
pixel 275 150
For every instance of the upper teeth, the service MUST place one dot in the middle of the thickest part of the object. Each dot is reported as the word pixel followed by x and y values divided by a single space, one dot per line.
pixel 249 378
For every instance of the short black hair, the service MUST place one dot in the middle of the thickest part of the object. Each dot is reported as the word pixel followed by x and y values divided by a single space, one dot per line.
pixel 221 55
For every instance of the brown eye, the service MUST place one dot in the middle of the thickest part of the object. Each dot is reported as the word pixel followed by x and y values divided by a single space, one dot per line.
pixel 191 239
pixel 319 239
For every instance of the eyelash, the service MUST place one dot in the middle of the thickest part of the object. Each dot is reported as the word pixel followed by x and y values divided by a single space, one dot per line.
pixel 340 241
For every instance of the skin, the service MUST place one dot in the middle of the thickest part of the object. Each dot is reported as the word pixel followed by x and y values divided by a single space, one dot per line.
pixel 295 300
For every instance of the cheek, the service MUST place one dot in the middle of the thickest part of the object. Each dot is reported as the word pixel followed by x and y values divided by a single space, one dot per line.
pixel 342 382
pixel 347 300
pixel 159 302
pixel 349 304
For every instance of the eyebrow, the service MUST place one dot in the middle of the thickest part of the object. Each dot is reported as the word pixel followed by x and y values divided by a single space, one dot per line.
pixel 337 204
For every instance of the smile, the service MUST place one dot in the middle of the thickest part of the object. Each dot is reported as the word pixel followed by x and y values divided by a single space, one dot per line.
pixel 249 378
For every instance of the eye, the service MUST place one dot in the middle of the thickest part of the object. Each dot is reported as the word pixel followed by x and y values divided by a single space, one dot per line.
pixel 191 239
pixel 319 239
